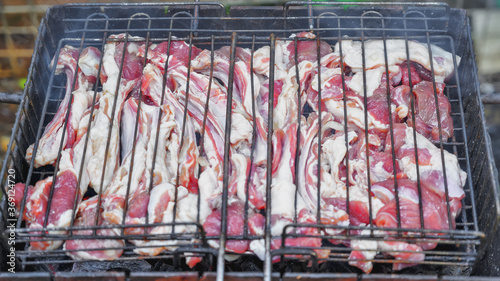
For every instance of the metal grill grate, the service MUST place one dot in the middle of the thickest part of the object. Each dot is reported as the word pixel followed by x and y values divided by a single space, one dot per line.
pixel 206 26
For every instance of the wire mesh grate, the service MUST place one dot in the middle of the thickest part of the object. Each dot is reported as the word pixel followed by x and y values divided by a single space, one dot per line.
pixel 205 26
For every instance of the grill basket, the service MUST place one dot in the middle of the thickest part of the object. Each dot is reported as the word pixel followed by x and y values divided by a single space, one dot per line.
pixel 208 26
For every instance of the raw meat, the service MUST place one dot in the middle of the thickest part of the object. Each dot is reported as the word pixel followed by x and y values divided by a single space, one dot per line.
pixel 426 118
pixel 332 157
pixel 77 99
pixel 93 249
pixel 117 85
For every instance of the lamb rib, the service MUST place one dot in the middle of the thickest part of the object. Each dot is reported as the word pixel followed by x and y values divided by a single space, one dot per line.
pixel 117 85
pixel 76 100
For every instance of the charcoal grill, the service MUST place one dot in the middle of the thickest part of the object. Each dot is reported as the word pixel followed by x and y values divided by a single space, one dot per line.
pixel 471 247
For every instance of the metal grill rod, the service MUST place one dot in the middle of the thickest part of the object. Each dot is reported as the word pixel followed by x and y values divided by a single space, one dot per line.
pixel 268 256
pixel 438 113
pixel 136 129
pixel 254 137
pixel 183 131
pixel 110 128
pixel 391 126
pixel 14 98
pixel 413 107
pixel 227 146
pixel 320 112
pixel 367 144
pixel 297 147
pixel 466 151
pixel 39 135
pixel 89 123
pixel 158 123
pixel 346 120
pixel 202 139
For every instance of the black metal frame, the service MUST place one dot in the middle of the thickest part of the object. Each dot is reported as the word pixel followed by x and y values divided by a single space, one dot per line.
pixel 206 24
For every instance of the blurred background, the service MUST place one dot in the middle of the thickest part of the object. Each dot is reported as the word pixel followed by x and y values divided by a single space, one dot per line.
pixel 19 20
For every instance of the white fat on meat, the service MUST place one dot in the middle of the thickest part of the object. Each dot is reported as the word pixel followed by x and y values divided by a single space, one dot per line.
pixel 163 172
pixel 155 199
pixel 98 140
pixel 304 68
pixel 48 148
pixel 241 129
pixel 80 160
pixel 333 153
pixel 248 96
pixel 278 226
pixel 306 170
pixel 402 110
pixel 104 116
pixel 456 177
pixel 378 173
pixel 111 68
pixel 285 111
pixel 261 61
pixel 369 248
pixel 210 191
pixel 326 74
pixel 45 156
pixel 283 194
pixel 73 159
pixel 128 176
pixel 258 247
pixel 172 155
pixel 281 59
pixel 240 162
pixel 133 48
pixel 355 114
pixel 127 129
pixel 355 107
pixel 168 213
pixel 89 62
pixel 329 58
pixel 281 112
pixel 121 178
pixel 358 188
pixel 82 100
pixel 183 206
pixel 373 78
pixel 187 212
pixel 374 57
pixel 360 193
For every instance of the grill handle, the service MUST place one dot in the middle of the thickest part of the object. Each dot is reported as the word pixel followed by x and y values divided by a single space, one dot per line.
pixel 490 98
pixel 14 98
